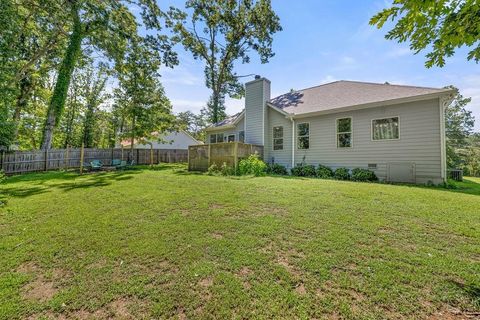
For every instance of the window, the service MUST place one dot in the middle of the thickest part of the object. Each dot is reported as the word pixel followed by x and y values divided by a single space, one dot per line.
pixel 277 138
pixel 216 138
pixel 303 134
pixel 241 136
pixel 231 138
pixel 385 129
pixel 344 133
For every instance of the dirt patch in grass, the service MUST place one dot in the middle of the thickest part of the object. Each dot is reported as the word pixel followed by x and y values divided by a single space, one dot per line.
pixel 243 274
pixel 40 288
pixel 206 282
pixel 300 289
pixel 454 314
pixel 217 236
pixel 215 206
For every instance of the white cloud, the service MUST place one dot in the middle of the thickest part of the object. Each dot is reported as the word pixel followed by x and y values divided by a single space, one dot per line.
pixel 181 75
pixel 347 60
pixel 399 52
pixel 471 88
pixel 180 105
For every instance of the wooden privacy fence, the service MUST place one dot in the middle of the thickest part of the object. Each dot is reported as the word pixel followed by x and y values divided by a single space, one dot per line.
pixel 201 157
pixel 43 160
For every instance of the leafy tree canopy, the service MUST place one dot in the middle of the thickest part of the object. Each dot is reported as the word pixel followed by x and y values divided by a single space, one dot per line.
pixel 220 32
pixel 441 26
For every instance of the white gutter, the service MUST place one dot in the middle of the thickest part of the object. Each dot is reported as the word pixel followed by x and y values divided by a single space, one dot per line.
pixel 293 141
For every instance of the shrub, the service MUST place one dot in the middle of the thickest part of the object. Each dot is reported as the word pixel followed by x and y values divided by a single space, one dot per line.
pixel 342 174
pixel 252 166
pixel 276 168
pixel 324 172
pixel 304 170
pixel 2 176
pixel 213 170
pixel 225 170
pixel 359 174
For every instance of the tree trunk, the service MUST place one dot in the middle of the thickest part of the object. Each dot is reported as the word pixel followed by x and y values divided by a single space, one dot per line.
pixel 57 102
pixel 88 126
pixel 22 101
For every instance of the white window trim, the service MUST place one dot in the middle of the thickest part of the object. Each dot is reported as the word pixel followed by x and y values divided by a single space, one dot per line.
pixel 337 133
pixel 382 118
pixel 273 138
pixel 298 136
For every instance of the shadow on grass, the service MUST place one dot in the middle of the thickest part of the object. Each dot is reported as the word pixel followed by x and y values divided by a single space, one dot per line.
pixel 34 184
pixel 472 291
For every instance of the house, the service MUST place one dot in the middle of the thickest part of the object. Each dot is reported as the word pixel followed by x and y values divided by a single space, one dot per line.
pixel 179 140
pixel 396 131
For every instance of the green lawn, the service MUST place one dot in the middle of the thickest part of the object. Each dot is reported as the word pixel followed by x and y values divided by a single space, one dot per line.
pixel 166 243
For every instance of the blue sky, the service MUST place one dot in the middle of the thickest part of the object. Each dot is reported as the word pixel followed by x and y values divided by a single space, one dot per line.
pixel 324 41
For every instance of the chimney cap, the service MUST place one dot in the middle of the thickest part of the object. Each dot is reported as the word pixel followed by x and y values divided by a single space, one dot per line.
pixel 257 76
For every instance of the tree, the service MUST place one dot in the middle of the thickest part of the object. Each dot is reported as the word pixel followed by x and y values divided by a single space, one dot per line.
pixel 140 98
pixel 94 96
pixel 220 32
pixel 459 124
pixel 442 26
pixel 106 25
pixel 194 124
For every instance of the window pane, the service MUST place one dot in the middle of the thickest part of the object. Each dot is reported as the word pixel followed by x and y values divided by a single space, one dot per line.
pixel 241 136
pixel 220 137
pixel 231 138
pixel 278 132
pixel 344 125
pixel 277 144
pixel 213 138
pixel 303 142
pixel 385 129
pixel 303 129
pixel 344 140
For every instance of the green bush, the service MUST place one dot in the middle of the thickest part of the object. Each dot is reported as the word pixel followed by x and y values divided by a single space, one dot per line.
pixel 2 176
pixel 359 174
pixel 252 166
pixel 276 168
pixel 342 174
pixel 223 170
pixel 324 172
pixel 304 170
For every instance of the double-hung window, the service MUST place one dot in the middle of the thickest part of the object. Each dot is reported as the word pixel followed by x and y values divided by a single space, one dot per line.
pixel 216 138
pixel 386 129
pixel 344 133
pixel 278 138
pixel 303 135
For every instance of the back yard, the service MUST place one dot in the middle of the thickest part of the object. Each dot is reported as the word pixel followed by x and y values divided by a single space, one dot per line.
pixel 165 243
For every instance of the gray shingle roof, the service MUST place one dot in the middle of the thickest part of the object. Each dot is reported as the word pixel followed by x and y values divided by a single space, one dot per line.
pixel 227 121
pixel 340 94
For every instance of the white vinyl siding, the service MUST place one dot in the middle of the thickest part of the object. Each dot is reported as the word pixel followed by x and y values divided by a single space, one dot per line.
pixel 420 140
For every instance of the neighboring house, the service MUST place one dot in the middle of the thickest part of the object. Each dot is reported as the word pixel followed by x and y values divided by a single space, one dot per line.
pixel 397 131
pixel 171 140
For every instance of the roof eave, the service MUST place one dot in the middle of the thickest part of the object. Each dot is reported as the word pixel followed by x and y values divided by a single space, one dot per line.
pixel 227 126
pixel 376 104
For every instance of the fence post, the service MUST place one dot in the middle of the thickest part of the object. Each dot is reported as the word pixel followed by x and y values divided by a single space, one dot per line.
pixel 137 156
pixel 66 158
pixel 122 152
pixel 2 159
pixel 209 154
pixel 81 159
pixel 111 160
pixel 235 156
pixel 151 155
pixel 46 159
pixel 158 156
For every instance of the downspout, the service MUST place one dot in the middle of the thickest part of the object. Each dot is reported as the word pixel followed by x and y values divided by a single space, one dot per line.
pixel 293 141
